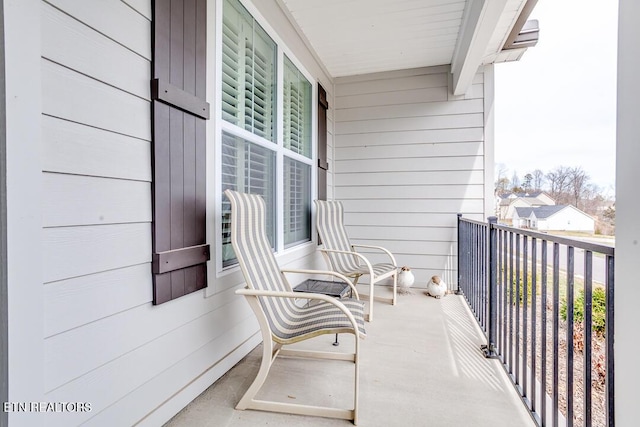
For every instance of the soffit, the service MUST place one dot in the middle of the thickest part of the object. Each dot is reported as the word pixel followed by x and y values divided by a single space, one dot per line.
pixel 365 36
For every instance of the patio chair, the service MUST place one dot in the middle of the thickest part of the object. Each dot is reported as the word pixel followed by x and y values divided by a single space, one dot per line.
pixel 341 255
pixel 283 319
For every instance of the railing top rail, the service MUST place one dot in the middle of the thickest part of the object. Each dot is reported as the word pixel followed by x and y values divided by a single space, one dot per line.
pixel 473 221
pixel 580 244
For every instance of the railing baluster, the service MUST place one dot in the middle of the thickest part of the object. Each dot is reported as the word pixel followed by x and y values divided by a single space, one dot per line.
pixel 525 302
pixel 543 332
pixel 510 286
pixel 556 328
pixel 517 304
pixel 588 328
pixel 534 301
pixel 570 303
pixel 610 358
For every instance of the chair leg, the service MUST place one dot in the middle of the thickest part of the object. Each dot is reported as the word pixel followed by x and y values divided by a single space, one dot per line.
pixel 265 365
pixel 395 289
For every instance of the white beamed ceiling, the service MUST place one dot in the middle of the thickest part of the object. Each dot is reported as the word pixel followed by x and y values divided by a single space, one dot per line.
pixel 365 36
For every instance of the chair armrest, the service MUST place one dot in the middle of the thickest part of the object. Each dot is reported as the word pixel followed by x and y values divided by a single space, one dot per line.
pixel 380 248
pixel 356 254
pixel 305 295
pixel 325 272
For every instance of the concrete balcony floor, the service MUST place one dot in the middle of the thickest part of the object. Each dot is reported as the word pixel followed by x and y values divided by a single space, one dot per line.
pixel 421 365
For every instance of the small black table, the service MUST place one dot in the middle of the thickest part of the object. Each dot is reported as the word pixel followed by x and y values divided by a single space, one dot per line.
pixel 325 287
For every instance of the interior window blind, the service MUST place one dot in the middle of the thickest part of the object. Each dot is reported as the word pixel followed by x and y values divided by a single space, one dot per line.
pixel 297 110
pixel 248 72
pixel 297 202
pixel 251 169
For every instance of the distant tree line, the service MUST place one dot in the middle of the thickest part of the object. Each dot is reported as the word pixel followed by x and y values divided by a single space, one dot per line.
pixel 566 185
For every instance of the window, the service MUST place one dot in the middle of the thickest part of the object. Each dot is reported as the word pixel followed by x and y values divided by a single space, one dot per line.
pixel 248 72
pixel 251 169
pixel 264 142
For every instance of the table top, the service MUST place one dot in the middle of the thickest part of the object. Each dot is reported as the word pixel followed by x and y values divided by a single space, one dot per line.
pixel 325 287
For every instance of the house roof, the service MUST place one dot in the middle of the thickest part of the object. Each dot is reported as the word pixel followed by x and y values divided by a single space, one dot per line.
pixel 524 212
pixel 367 36
pixel 544 212
pixel 523 194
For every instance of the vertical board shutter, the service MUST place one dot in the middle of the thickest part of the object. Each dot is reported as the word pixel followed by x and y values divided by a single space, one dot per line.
pixel 323 164
pixel 179 111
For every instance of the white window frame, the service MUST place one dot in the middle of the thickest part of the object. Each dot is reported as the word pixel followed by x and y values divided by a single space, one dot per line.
pixel 214 203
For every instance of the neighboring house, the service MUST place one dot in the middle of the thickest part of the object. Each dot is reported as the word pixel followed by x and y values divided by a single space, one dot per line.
pixel 555 217
pixel 117 284
pixel 509 201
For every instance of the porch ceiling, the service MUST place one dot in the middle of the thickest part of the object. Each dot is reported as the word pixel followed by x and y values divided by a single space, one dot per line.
pixel 365 36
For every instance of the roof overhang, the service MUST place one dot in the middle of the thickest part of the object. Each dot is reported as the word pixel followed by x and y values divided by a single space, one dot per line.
pixel 368 36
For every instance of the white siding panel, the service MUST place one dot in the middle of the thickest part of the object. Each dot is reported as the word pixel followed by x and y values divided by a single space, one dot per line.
pixel 407 247
pixel 468 163
pixel 402 232
pixel 388 193
pixel 114 19
pixel 411 110
pixel 76 251
pixel 404 97
pixel 72 96
pixel 72 354
pixel 75 302
pixel 107 384
pixel 80 200
pixel 455 121
pixel 159 390
pixel 414 205
pixel 84 150
pixel 409 151
pixel 81 48
pixel 401 178
pixel 143 7
pixel 408 136
pixel 408 158
pixel 408 219
pixel 382 85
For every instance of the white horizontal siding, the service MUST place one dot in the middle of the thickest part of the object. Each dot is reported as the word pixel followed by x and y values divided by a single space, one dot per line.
pixel 409 156
pixel 86 51
pixel 82 200
pixel 73 96
pixel 85 299
pixel 114 19
pixel 79 149
pixel 78 251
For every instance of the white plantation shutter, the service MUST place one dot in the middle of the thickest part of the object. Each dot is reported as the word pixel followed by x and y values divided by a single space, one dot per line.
pixel 297 202
pixel 250 87
pixel 248 72
pixel 297 110
pixel 247 168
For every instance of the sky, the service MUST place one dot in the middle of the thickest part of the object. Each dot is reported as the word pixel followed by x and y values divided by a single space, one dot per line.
pixel 557 105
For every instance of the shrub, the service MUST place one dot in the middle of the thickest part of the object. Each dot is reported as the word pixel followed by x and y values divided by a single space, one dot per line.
pixel 599 309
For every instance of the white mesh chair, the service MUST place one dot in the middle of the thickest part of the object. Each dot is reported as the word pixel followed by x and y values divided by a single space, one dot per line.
pixel 281 320
pixel 341 255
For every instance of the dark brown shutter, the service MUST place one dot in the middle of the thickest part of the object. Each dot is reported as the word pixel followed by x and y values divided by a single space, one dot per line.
pixel 323 164
pixel 179 111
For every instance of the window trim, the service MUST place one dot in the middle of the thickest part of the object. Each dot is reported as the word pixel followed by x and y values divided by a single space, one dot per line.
pixel 220 125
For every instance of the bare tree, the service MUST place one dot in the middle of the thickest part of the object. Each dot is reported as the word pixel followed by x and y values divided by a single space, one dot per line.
pixel 558 180
pixel 515 183
pixel 502 182
pixel 538 179
pixel 526 184
pixel 578 185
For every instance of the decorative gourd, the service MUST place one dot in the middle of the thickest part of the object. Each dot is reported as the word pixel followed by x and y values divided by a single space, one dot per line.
pixel 405 277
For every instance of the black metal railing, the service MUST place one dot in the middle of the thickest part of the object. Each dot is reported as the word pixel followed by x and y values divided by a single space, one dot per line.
pixel 522 287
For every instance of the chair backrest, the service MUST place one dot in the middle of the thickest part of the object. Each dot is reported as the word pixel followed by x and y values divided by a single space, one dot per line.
pixel 254 254
pixel 330 226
